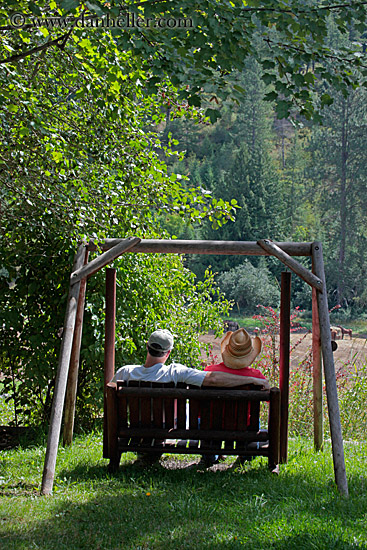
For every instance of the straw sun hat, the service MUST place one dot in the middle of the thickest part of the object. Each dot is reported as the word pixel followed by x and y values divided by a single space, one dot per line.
pixel 239 349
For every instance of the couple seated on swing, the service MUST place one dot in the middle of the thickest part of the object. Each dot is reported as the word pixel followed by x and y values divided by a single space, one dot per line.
pixel 238 350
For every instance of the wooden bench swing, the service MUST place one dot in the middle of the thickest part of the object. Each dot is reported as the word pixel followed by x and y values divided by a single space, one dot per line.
pixel 159 418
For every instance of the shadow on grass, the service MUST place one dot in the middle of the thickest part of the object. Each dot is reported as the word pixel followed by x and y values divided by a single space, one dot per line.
pixel 22 436
pixel 168 509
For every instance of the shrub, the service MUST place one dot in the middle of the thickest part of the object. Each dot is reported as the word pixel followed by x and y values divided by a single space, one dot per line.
pixel 352 389
pixel 248 286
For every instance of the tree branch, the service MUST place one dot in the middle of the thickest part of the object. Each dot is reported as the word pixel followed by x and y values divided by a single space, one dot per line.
pixel 266 9
pixel 316 8
pixel 319 54
pixel 60 42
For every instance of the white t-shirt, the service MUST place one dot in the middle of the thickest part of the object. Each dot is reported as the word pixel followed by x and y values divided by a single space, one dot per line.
pixel 161 373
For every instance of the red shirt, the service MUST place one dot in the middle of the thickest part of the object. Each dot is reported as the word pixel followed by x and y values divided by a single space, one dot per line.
pixel 245 371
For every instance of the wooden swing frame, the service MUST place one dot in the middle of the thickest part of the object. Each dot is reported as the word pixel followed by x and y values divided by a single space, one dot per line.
pixel 67 374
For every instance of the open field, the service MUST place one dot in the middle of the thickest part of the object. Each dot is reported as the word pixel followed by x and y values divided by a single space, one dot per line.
pixel 358 325
pixel 349 350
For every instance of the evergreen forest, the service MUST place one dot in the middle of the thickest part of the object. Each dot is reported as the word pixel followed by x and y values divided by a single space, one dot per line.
pixel 293 180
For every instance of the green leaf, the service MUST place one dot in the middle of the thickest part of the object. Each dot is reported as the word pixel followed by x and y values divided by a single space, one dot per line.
pixel 309 78
pixel 269 78
pixel 24 132
pixel 283 108
pixel 94 8
pixel 326 99
pixel 194 100
pixel 239 88
pixel 70 5
pixel 271 96
pixel 299 79
pixel 268 64
pixel 32 6
pixel 213 115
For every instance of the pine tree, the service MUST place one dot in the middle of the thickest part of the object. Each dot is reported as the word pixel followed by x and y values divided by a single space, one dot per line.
pixel 339 150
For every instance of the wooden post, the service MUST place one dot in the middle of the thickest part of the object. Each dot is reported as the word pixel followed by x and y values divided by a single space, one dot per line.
pixel 111 409
pixel 72 384
pixel 61 379
pixel 109 350
pixel 274 430
pixel 318 428
pixel 295 266
pixel 330 379
pixel 284 348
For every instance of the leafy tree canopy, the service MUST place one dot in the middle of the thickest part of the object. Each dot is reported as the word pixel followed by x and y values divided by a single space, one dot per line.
pixel 194 42
pixel 75 147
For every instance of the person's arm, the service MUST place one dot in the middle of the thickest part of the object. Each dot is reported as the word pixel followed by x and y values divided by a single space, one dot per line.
pixel 228 380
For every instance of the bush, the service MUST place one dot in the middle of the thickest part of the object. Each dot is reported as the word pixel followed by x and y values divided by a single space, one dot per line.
pixel 248 286
pixel 153 290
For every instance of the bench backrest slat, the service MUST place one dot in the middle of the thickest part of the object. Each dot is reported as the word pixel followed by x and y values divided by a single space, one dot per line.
pixel 134 408
pixel 254 416
pixel 181 413
pixel 145 407
pixel 194 413
pixel 205 422
pixel 230 420
pixel 122 411
pixel 244 409
pixel 243 412
pixel 169 411
pixel 159 411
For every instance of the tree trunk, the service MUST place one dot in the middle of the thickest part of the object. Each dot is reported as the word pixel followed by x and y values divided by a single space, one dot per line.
pixel 343 201
pixel 253 141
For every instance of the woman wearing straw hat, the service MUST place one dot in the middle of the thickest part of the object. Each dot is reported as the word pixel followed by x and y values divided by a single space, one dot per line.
pixel 239 351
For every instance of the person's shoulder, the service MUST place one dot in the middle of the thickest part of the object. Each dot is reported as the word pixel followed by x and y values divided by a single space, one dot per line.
pixel 128 367
pixel 179 367
pixel 217 367
pixel 257 373
pixel 124 372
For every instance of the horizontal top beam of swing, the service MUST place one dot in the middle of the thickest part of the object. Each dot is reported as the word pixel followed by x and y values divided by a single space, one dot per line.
pixel 177 246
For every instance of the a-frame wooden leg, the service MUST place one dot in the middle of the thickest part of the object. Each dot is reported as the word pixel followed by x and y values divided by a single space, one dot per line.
pixel 61 380
pixel 329 370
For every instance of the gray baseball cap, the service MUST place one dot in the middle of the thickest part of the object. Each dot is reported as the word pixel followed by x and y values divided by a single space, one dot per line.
pixel 161 340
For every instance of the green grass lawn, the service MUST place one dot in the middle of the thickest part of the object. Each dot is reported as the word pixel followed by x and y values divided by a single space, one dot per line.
pixel 181 509
pixel 245 322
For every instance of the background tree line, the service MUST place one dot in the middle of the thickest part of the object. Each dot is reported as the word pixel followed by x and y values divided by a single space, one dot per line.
pixel 294 180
